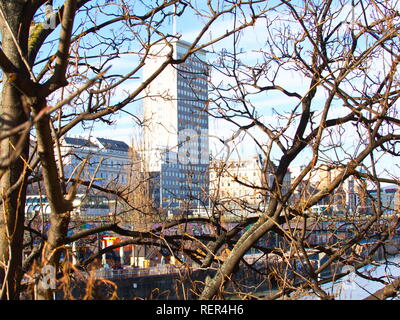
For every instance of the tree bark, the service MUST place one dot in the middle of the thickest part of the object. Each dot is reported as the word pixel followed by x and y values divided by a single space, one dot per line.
pixel 12 114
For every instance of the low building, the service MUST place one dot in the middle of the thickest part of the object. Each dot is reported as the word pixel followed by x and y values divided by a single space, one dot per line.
pixel 239 185
pixel 108 161
pixel 387 198
pixel 342 201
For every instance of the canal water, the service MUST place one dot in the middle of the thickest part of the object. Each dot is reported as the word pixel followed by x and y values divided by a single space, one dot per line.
pixel 354 287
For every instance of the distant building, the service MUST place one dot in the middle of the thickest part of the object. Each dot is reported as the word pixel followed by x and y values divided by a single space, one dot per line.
pixel 343 200
pixel 397 201
pixel 176 128
pixel 108 161
pixel 388 199
pixel 240 184
pixel 89 205
pixel 108 164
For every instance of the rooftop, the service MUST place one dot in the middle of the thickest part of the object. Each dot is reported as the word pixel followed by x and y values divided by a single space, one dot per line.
pixel 114 144
pixel 108 144
pixel 79 142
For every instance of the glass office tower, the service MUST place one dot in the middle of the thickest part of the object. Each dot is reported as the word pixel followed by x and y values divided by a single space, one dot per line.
pixel 176 128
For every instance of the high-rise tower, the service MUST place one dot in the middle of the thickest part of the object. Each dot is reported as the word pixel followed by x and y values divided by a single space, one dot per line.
pixel 176 127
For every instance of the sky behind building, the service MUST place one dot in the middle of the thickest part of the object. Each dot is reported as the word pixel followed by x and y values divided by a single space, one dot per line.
pixel 268 106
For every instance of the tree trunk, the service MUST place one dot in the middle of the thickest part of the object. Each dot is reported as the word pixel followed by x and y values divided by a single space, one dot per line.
pixel 12 114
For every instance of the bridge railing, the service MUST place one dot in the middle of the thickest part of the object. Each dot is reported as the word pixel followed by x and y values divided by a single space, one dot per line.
pixel 136 272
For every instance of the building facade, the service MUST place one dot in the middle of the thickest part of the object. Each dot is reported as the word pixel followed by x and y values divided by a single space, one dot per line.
pixel 176 149
pixel 108 161
pixel 389 203
pixel 238 185
pixel 108 165
pixel 342 201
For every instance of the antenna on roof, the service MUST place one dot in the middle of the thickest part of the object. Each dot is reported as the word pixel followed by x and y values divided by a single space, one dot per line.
pixel 174 19
pixel 174 23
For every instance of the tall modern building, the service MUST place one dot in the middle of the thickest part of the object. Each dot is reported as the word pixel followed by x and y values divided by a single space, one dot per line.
pixel 176 128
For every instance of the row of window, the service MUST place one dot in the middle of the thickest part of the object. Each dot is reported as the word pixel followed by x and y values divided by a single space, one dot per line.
pixel 194 85
pixel 181 184
pixel 193 67
pixel 193 110
pixel 117 164
pixel 239 175
pixel 196 105
pixel 196 118
pixel 239 193
pixel 111 176
pixel 192 94
pixel 94 161
pixel 189 124
pixel 187 168
pixel 180 174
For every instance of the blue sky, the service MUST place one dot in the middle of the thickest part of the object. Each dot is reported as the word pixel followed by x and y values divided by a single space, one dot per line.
pixel 251 40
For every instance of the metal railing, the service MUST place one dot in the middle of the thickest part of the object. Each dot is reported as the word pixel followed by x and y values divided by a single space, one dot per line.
pixel 117 274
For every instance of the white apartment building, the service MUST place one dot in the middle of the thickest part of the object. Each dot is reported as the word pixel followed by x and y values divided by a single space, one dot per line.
pixel 108 165
pixel 176 127
pixel 108 161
